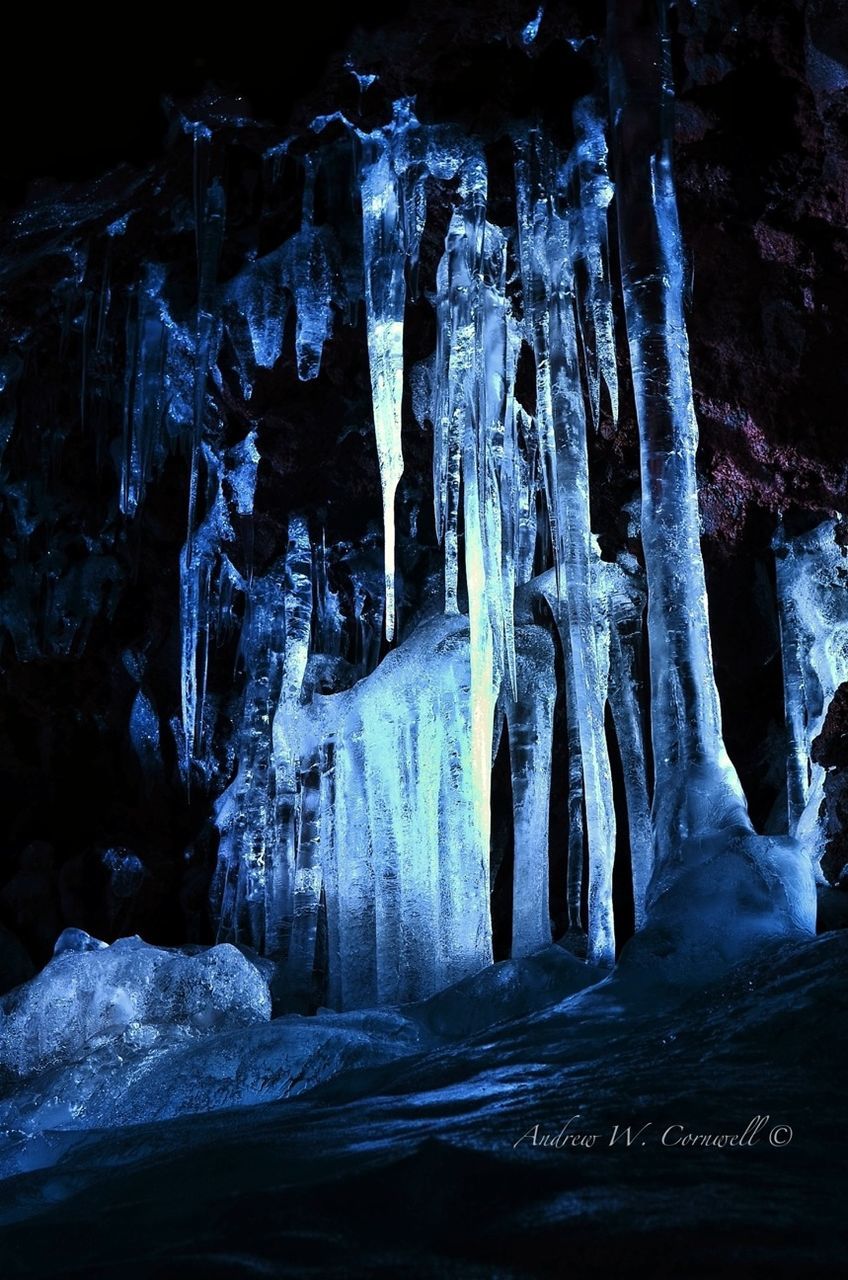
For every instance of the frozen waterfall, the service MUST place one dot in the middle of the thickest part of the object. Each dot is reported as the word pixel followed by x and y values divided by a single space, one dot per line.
pixel 344 700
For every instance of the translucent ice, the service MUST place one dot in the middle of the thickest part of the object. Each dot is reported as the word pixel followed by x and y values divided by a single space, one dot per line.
pixel 88 996
pixel 385 298
pixel 404 859
pixel 529 717
pixel 812 591
pixel 685 713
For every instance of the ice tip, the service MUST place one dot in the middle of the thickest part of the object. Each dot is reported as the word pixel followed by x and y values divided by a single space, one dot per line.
pixel 531 30
pixel 363 79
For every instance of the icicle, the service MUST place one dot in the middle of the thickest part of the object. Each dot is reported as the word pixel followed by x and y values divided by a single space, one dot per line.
pixel 312 286
pixel 145 390
pixel 259 298
pixel 203 574
pixel 209 210
pixel 585 638
pixel 576 832
pixel 200 556
pixel 627 698
pixel 530 721
pixel 524 489
pixel 245 880
pixel 300 961
pixel 385 297
pixel 544 249
pixel 296 607
pixel 412 191
pixel 446 442
pixel 812 575
pixel 533 164
pixel 590 255
pixel 241 463
pixel 497 347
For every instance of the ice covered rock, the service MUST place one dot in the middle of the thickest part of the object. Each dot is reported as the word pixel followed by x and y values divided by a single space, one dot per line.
pixel 506 990
pixel 163 1065
pixel 724 896
pixel 85 998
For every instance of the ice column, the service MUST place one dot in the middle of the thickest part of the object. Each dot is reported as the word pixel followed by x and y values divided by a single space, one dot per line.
pixel 695 781
pixel 546 251
pixel 405 864
pixel 627 700
pixel 717 889
pixel 476 358
pixel 529 718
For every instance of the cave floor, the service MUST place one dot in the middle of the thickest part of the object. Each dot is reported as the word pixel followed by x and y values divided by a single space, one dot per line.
pixel 434 1165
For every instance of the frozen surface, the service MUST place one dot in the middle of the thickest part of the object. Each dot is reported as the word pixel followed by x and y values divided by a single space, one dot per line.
pixel 504 991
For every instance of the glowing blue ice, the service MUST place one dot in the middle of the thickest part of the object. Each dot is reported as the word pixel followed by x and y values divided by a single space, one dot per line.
pixel 529 33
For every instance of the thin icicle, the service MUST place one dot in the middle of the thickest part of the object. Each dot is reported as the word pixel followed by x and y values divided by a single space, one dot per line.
pixel 627 699
pixel 295 606
pixel 385 298
pixel 530 721
pixel 590 255
pixel 545 256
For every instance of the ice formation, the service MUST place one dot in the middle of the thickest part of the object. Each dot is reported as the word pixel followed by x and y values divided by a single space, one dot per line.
pixel 91 994
pixel 361 826
pixel 717 888
pixel 812 576
pixel 352 763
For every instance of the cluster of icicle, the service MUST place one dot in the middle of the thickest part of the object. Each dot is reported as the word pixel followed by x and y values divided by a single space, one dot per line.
pixel 359 813
pixel 375 801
